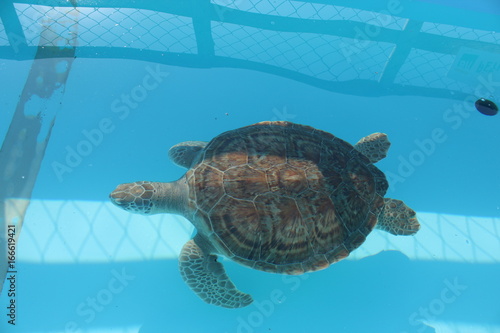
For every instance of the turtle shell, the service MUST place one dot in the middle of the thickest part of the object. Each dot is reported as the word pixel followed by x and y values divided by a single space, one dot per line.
pixel 284 198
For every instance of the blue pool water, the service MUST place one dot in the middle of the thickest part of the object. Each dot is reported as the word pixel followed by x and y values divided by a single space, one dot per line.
pixel 113 87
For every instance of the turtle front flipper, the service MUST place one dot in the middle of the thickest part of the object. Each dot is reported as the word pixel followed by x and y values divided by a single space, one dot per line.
pixel 397 218
pixel 373 146
pixel 184 153
pixel 207 277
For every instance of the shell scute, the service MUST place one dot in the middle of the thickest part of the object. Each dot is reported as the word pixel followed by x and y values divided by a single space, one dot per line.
pixel 231 226
pixel 206 183
pixel 244 182
pixel 287 180
pixel 334 156
pixel 281 242
pixel 266 149
pixel 350 207
pixel 300 147
pixel 227 153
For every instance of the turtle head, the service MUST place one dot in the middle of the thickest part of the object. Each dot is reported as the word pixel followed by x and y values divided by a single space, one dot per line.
pixel 149 197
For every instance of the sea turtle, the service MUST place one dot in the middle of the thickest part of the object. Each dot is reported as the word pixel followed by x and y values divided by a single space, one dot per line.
pixel 274 196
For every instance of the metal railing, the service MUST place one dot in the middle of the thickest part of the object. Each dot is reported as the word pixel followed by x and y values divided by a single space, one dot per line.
pixel 391 48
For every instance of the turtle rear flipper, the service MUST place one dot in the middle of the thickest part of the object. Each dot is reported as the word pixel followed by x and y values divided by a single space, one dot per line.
pixel 397 218
pixel 207 277
pixel 184 153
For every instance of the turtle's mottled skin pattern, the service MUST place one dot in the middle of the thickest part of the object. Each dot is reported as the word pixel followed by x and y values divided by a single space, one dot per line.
pixel 283 197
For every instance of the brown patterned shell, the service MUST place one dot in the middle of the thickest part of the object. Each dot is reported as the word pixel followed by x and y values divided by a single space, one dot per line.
pixel 285 198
